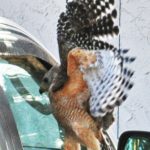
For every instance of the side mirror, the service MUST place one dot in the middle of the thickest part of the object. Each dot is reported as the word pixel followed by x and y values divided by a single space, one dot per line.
pixel 134 140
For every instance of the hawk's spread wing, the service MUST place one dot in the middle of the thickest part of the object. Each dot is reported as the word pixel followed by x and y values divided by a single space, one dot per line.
pixel 84 24
pixel 108 79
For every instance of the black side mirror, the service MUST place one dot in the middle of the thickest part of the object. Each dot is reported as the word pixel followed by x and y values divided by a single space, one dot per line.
pixel 134 140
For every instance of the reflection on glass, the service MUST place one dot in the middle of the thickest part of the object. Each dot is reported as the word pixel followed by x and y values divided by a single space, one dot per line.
pixel 37 128
pixel 137 143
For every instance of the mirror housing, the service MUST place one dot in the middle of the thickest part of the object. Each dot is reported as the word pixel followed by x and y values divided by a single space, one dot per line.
pixel 126 138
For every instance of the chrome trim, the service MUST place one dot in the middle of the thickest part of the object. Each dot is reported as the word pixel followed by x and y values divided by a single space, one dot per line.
pixel 9 137
pixel 15 34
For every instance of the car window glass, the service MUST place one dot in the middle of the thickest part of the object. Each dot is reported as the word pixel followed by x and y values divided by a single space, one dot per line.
pixel 37 128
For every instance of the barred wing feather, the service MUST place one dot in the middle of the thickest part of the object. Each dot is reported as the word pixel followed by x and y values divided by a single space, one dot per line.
pixel 109 80
pixel 86 24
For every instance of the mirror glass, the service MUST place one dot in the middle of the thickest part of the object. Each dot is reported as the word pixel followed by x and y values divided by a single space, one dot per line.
pixel 137 143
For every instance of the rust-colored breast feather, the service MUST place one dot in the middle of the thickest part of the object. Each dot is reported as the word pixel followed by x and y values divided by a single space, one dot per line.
pixel 70 104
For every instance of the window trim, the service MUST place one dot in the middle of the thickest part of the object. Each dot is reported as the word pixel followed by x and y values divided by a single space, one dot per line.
pixel 9 136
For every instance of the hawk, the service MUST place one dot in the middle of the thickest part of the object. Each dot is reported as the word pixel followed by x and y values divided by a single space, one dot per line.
pixel 93 77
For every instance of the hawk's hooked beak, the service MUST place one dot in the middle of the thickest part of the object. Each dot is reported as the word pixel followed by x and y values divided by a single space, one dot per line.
pixel 41 91
pixel 44 86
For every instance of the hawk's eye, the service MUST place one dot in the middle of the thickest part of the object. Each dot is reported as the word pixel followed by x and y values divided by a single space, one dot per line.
pixel 45 80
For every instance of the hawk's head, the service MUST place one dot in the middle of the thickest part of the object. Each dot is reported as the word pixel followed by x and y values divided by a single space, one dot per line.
pixel 48 79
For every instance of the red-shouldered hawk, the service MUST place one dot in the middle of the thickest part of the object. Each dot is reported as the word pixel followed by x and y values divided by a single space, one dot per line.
pixel 93 77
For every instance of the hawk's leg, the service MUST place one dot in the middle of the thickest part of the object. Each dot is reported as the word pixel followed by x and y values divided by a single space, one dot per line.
pixel 70 144
pixel 107 120
pixel 87 137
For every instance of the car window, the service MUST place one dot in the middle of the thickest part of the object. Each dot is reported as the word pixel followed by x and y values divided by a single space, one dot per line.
pixel 37 128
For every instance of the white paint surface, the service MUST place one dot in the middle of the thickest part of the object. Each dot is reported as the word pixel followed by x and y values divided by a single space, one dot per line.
pixel 40 17
pixel 135 34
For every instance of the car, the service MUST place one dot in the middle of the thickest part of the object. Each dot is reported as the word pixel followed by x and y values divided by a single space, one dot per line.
pixel 26 121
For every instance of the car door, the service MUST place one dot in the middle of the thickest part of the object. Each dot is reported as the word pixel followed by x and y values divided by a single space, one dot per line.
pixel 9 137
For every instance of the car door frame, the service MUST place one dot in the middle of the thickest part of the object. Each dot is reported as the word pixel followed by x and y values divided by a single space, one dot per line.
pixel 9 137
